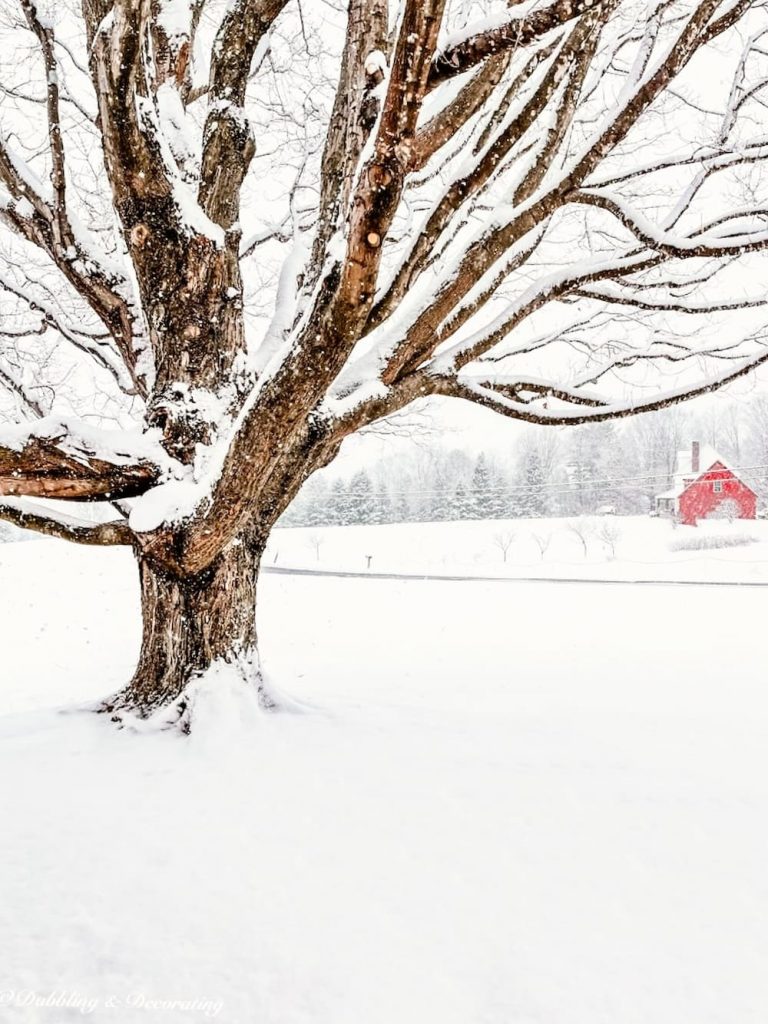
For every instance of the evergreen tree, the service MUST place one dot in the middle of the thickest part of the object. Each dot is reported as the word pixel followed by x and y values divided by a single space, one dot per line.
pixel 313 499
pixel 382 506
pixel 480 491
pixel 402 509
pixel 360 498
pixel 337 513
pixel 461 503
pixel 531 500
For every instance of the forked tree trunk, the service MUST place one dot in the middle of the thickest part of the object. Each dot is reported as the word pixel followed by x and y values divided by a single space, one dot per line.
pixel 189 624
pixel 194 621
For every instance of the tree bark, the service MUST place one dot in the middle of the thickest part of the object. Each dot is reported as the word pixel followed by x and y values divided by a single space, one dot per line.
pixel 192 623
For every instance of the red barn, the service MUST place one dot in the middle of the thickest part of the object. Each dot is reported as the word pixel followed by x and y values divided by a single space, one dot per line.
pixel 706 488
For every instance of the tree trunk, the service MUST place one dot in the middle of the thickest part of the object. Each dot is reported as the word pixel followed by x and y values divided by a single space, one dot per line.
pixel 190 624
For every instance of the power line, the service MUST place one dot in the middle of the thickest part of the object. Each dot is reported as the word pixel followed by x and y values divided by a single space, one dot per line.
pixel 571 487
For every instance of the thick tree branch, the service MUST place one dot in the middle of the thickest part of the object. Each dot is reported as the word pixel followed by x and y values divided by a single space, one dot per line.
pixel 28 516
pixel 228 145
pixel 53 459
pixel 381 181
pixel 472 98
pixel 517 33
pixel 353 117
pixel 138 173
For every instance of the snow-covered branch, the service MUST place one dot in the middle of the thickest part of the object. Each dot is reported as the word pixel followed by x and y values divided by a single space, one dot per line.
pixel 570 411
pixel 59 458
pixel 39 216
pixel 480 42
pixel 702 246
pixel 29 515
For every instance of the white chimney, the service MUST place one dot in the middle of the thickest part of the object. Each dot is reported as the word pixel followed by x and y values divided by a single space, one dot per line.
pixel 695 456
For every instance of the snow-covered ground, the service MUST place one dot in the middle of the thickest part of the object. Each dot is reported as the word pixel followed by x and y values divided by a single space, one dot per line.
pixel 518 803
pixel 592 547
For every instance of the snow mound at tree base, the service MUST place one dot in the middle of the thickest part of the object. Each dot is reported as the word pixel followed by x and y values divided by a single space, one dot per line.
pixel 229 698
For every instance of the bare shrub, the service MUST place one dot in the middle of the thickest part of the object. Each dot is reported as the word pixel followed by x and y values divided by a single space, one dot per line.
pixel 708 543
pixel 728 509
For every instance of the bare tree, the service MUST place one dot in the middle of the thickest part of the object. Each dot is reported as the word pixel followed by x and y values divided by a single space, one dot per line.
pixel 504 541
pixel 609 534
pixel 582 531
pixel 523 214
pixel 315 541
pixel 542 542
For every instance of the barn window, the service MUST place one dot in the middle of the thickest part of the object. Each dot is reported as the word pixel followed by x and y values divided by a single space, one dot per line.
pixel 718 486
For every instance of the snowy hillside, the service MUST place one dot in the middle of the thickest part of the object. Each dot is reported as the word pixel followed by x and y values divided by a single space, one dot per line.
pixel 519 802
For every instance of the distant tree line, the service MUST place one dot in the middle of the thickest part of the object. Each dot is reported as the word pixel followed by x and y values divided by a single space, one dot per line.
pixel 551 472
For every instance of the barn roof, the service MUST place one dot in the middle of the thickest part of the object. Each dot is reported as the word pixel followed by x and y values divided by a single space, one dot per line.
pixel 685 475
pixel 707 458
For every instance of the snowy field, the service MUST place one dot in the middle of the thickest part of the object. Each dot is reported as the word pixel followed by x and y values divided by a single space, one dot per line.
pixel 592 547
pixel 518 803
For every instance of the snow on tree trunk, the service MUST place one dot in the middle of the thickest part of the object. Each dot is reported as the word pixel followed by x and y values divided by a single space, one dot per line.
pixel 191 623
